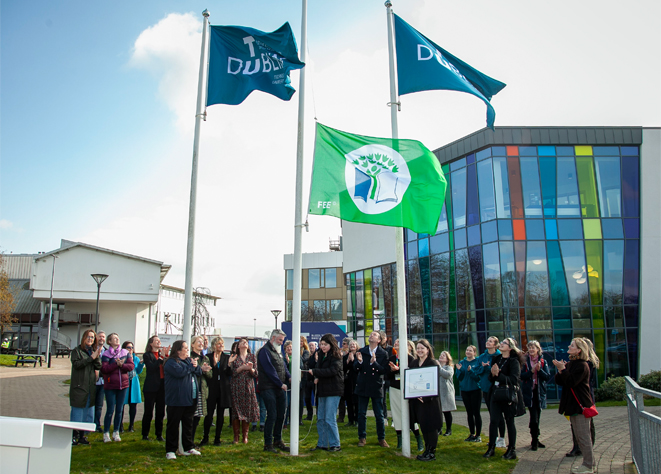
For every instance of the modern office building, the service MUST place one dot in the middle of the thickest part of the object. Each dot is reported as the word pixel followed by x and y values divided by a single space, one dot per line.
pixel 547 233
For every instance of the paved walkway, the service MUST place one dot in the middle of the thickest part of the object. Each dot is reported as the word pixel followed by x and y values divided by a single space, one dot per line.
pixel 31 392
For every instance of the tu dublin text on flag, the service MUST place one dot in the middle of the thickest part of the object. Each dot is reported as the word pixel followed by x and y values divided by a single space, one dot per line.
pixel 380 181
pixel 242 60
pixel 422 65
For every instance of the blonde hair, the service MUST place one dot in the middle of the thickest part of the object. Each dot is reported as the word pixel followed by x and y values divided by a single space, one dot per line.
pixel 449 357
pixel 495 339
pixel 583 347
pixel 592 355
pixel 304 345
pixel 194 339
pixel 411 348
pixel 537 346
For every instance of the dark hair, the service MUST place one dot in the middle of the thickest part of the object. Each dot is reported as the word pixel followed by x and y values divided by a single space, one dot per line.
pixel 384 339
pixel 83 339
pixel 239 341
pixel 334 349
pixel 148 348
pixel 426 343
pixel 176 347
pixel 126 343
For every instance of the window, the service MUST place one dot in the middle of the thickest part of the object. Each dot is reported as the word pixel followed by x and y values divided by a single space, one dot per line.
pixel 315 278
pixel 289 279
pixel 331 278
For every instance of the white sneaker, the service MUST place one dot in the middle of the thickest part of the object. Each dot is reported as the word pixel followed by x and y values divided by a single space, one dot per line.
pixel 500 442
pixel 106 437
pixel 115 436
pixel 193 452
pixel 582 470
pixel 170 456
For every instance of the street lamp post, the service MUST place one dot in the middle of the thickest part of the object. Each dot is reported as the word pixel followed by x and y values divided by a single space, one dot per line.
pixel 254 328
pixel 276 313
pixel 98 278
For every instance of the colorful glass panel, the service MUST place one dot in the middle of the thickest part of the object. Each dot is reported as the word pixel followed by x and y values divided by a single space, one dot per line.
pixel 487 197
pixel 532 196
pixel 508 274
pixel 505 230
pixel 570 229
pixel 520 257
pixel 631 228
pixel 501 188
pixel 489 231
pixel 516 196
pixel 558 284
pixel 612 228
pixel 631 259
pixel 568 203
pixel 595 272
pixel 548 177
pixel 613 271
pixel 472 203
pixel 573 259
pixel 610 185
pixel 493 290
pixel 439 243
pixel 551 229
pixel 587 186
pixel 630 186
pixel 459 197
pixel 534 229
pixel 592 228
pixel 474 235
pixel 519 228
pixel 537 284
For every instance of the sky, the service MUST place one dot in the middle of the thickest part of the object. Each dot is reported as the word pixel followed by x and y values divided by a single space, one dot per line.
pixel 97 106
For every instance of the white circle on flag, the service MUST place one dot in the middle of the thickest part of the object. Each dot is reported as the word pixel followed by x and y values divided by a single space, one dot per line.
pixel 377 178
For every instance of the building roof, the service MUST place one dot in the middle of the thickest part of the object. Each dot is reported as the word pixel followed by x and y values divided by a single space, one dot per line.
pixel 68 244
pixel 540 136
pixel 18 266
pixel 25 303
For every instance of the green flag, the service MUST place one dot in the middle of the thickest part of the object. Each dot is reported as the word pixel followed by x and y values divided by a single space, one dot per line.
pixel 379 181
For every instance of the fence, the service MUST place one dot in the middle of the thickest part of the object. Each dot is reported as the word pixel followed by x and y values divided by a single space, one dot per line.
pixel 644 429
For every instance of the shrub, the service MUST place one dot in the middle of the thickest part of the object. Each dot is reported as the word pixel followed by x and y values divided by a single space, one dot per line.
pixel 651 381
pixel 612 389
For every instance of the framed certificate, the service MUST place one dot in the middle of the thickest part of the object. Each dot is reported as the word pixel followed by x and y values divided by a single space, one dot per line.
pixel 421 382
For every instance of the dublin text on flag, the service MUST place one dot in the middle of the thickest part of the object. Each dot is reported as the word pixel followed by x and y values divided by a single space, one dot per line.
pixel 422 65
pixel 242 60
pixel 380 181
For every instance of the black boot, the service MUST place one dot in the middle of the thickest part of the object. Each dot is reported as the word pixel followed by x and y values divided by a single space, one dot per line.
pixel 575 451
pixel 205 441
pixel 131 428
pixel 74 438
pixel 510 453
pixel 82 439
pixel 491 450
pixel 448 433
pixel 421 457
pixel 540 445
pixel 534 445
pixel 428 456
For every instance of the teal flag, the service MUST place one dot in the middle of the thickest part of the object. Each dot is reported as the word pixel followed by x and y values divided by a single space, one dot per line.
pixel 242 60
pixel 379 181
pixel 422 65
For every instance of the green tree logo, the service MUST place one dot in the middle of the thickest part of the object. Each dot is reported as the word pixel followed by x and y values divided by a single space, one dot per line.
pixel 373 165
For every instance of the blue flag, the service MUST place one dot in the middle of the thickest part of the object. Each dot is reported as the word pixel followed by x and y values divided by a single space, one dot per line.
pixel 242 60
pixel 422 65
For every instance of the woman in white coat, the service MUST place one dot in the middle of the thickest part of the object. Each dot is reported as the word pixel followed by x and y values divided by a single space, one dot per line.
pixel 446 390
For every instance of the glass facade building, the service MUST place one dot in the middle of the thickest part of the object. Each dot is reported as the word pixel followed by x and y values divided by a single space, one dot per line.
pixel 535 242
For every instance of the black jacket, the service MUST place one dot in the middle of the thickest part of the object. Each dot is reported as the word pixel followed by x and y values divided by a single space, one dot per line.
pixel 153 380
pixel 575 376
pixel 220 378
pixel 543 376
pixel 350 376
pixel 510 371
pixel 392 376
pixel 370 376
pixel 427 413
pixel 328 371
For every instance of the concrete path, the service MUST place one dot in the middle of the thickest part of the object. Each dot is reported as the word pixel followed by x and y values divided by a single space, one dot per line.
pixel 34 392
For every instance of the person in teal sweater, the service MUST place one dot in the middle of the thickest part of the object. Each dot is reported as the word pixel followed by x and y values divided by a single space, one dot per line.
pixel 471 393
pixel 481 373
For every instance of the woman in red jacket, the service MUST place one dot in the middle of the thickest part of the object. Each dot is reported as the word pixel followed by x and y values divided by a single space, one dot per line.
pixel 115 366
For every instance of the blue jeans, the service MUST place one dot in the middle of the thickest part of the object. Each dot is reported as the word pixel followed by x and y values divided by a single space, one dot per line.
pixel 377 406
pixel 329 436
pixel 262 410
pixel 275 400
pixel 98 405
pixel 115 402
pixel 85 415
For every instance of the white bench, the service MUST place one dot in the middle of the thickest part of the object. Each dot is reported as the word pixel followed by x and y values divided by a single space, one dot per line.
pixel 37 446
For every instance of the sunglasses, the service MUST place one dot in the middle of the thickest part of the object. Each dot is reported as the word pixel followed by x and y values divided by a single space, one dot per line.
pixel 129 347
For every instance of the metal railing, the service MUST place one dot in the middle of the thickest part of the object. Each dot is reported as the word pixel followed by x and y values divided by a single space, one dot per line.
pixel 644 429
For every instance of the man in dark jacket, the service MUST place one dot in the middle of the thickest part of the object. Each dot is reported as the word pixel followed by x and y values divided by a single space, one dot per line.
pixel 272 378
pixel 371 363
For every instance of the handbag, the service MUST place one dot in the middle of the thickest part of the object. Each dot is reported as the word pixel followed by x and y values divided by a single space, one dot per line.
pixel 505 393
pixel 588 412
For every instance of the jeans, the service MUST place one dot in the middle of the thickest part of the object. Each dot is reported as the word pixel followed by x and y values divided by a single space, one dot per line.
pixel 262 409
pixel 98 405
pixel 154 399
pixel 275 400
pixel 473 402
pixel 329 436
pixel 377 406
pixel 85 415
pixel 176 415
pixel 115 403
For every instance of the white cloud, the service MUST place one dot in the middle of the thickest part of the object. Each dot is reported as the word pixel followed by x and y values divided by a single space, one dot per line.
pixel 5 224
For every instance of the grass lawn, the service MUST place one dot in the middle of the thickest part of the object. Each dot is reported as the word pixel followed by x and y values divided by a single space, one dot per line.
pixel 133 455
pixel 7 360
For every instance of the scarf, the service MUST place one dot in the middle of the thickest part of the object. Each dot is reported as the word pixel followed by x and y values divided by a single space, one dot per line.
pixel 118 353
pixel 533 363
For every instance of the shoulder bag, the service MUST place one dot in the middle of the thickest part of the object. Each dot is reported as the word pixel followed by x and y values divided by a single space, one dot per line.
pixel 588 412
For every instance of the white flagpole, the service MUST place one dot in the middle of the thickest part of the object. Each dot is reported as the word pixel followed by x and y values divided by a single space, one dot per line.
pixel 399 243
pixel 199 116
pixel 294 414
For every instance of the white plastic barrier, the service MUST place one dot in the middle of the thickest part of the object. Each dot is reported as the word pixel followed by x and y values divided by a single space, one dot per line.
pixel 37 446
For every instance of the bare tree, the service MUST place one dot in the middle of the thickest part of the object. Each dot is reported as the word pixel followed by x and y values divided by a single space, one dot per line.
pixel 7 298
pixel 200 311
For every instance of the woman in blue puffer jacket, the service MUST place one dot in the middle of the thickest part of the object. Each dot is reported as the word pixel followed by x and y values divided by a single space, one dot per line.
pixel 133 396
pixel 481 373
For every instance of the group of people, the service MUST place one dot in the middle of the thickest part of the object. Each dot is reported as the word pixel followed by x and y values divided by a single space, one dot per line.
pixel 201 381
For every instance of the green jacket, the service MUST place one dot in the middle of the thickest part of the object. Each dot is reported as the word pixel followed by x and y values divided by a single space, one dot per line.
pixel 83 378
pixel 203 379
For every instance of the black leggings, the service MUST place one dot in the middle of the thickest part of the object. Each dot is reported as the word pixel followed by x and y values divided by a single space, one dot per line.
pixel 473 403
pixel 501 425
pixel 499 411
pixel 448 420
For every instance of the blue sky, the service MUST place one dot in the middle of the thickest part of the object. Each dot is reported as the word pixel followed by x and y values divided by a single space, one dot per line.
pixel 97 105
